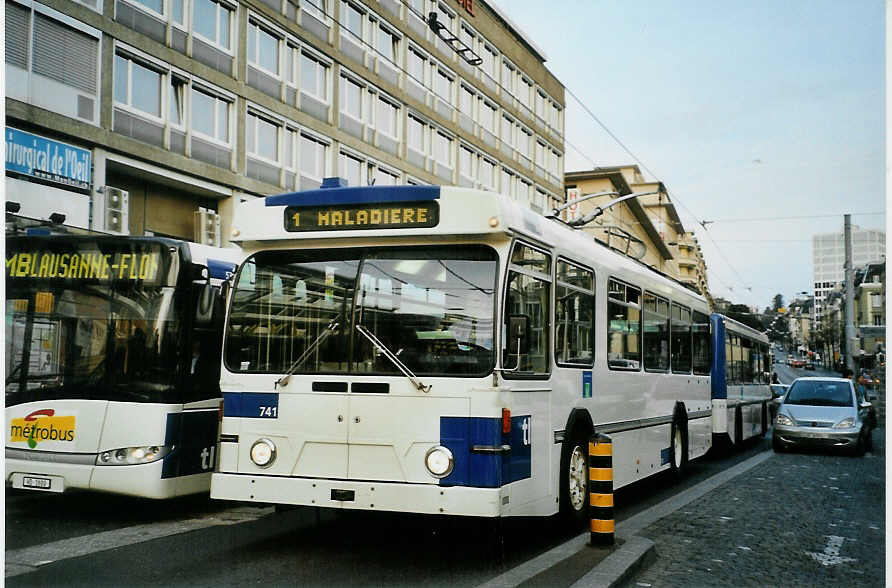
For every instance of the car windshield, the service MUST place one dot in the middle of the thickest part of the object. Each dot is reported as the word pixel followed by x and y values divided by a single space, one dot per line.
pixel 432 307
pixel 820 393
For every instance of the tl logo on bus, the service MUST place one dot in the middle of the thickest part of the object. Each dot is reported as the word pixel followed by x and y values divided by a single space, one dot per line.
pixel 42 425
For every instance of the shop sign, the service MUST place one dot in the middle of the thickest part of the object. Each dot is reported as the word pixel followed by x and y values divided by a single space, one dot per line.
pixel 46 159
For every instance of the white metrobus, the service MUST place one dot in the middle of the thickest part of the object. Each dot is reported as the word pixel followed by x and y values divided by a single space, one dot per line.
pixel 112 363
pixel 445 350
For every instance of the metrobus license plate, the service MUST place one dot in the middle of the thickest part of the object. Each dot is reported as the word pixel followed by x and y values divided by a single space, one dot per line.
pixel 41 483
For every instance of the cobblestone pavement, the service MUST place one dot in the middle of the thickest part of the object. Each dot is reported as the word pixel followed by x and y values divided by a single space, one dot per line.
pixel 798 519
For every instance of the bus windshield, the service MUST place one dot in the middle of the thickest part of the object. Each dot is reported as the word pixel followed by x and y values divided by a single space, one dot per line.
pixel 296 311
pixel 95 331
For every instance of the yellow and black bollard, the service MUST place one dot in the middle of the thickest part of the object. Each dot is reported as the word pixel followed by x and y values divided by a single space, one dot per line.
pixel 600 469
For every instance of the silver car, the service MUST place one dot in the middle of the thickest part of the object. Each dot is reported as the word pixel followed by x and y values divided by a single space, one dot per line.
pixel 825 413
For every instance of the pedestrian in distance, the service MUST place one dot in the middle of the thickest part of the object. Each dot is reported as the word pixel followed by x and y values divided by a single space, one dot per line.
pixel 774 378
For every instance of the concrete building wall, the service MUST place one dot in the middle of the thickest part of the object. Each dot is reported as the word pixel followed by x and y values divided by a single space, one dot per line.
pixel 273 95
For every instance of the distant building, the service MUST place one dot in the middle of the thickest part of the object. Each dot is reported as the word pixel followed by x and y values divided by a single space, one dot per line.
pixel 870 313
pixel 157 117
pixel 828 250
pixel 646 228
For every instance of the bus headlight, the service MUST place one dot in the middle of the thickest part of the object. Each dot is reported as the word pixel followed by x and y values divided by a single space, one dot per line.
pixel 439 461
pixel 263 453
pixel 133 455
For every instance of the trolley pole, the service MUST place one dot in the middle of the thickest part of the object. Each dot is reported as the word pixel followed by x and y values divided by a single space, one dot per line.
pixel 600 462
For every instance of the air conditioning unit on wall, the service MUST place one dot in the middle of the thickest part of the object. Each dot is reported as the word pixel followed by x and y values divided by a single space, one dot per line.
pixel 117 210
pixel 207 227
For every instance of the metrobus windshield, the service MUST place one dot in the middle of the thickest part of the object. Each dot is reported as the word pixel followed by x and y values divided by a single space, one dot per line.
pixel 90 321
pixel 297 310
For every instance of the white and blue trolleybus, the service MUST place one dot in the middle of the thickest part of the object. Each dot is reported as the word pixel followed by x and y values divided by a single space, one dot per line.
pixel 112 363
pixel 740 382
pixel 445 350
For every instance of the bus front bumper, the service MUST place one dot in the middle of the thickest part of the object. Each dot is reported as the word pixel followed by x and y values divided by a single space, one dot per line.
pixel 350 494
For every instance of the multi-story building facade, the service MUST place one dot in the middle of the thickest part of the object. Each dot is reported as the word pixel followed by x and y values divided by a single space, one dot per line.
pixel 647 228
pixel 829 256
pixel 166 113
pixel 870 313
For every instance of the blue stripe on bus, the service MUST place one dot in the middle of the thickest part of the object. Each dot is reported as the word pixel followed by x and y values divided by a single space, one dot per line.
pixel 355 195
pixel 717 368
pixel 194 437
pixel 486 470
pixel 258 405
pixel 221 270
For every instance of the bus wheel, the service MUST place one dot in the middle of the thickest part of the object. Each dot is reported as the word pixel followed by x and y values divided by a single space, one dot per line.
pixel 738 427
pixel 678 447
pixel 574 480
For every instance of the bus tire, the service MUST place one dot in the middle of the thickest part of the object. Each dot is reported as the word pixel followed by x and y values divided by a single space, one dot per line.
pixel 678 443
pixel 738 427
pixel 574 479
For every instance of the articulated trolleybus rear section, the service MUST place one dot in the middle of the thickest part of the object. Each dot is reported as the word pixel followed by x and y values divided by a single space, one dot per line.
pixel 445 350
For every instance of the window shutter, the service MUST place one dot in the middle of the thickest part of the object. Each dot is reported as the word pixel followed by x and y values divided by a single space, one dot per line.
pixel 65 55
pixel 18 21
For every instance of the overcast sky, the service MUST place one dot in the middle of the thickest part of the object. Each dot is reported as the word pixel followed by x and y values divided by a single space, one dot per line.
pixel 745 110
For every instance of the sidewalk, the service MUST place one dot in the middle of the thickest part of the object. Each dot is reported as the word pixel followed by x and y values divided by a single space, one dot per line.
pixel 795 519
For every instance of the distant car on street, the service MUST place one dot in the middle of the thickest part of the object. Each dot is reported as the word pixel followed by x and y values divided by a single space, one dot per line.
pixel 825 413
pixel 809 365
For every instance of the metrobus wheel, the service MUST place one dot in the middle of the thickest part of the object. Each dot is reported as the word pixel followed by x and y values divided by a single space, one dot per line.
pixel 574 480
pixel 678 446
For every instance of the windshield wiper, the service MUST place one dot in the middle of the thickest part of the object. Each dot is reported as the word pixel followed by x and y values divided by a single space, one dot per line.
pixel 329 329
pixel 393 359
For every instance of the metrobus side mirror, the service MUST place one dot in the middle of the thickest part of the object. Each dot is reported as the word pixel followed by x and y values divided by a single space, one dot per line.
pixel 205 301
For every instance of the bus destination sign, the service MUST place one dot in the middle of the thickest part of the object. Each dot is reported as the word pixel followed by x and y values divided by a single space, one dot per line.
pixel 403 215
pixel 84 265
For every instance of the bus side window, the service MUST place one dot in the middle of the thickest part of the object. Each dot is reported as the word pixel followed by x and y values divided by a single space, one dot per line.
pixel 574 315
pixel 701 351
pixel 529 294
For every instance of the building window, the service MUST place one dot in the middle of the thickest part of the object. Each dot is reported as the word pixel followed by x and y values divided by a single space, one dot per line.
pixel 443 84
pixel 487 174
pixel 442 149
pixel 488 113
pixel 415 135
pixel 350 168
pixel 388 44
pixel 508 72
pixel 352 20
pixel 388 118
pixel 212 21
pixel 417 62
pixel 466 159
pixel 312 155
pixel 385 177
pixel 490 63
pixel 351 98
pixel 467 98
pixel 137 86
pixel 507 131
pixel 263 48
pixel 313 77
pixel 210 115
pixel 316 8
pixel 262 137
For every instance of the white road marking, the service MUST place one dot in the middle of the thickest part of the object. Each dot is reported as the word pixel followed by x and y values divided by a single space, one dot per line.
pixel 830 556
pixel 27 559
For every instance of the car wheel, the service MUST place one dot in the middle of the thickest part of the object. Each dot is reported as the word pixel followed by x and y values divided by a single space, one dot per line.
pixel 574 480
pixel 777 445
pixel 859 448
